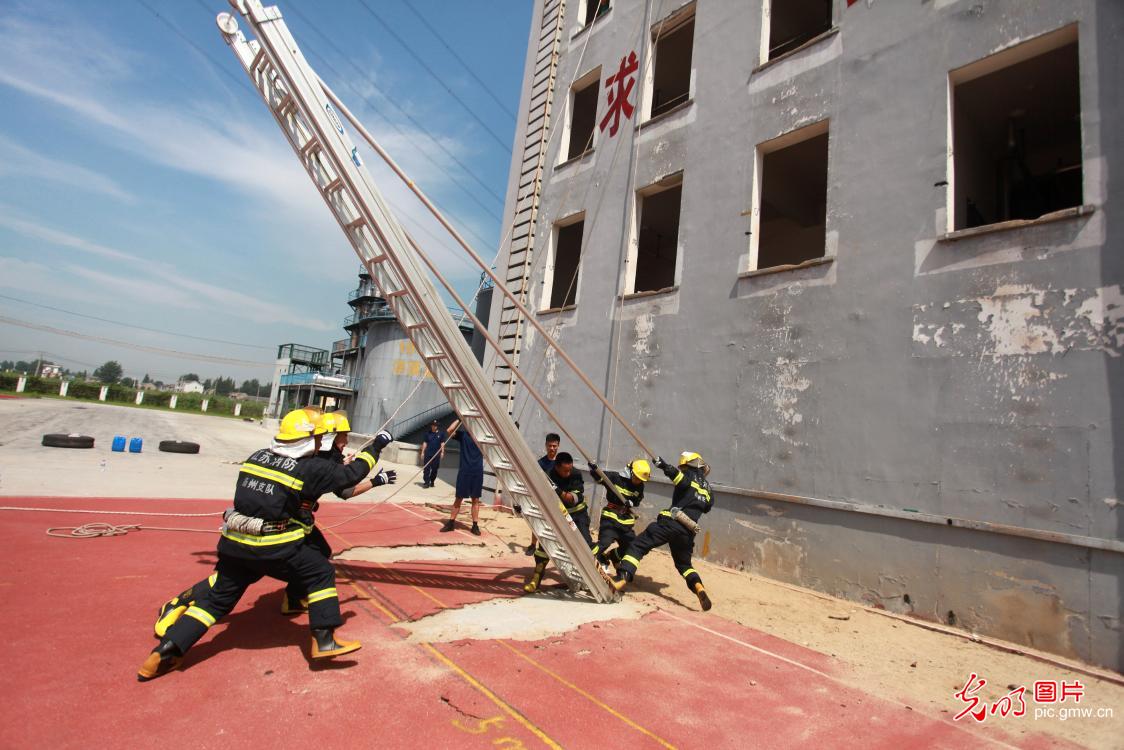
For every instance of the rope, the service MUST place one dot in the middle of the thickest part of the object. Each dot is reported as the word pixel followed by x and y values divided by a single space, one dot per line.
pixel 96 529
pixel 114 512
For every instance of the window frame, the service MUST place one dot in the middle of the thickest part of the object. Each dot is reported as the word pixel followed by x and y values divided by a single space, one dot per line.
pixel 663 184
pixel 992 63
pixel 782 141
pixel 580 84
pixel 550 267
pixel 665 27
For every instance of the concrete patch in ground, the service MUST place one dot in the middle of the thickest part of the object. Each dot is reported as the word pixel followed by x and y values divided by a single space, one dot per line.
pixel 409 553
pixel 528 618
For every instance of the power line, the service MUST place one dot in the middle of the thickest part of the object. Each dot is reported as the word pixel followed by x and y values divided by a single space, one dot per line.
pixel 175 30
pixel 412 9
pixel 133 325
pixel 395 104
pixel 138 347
pixel 505 146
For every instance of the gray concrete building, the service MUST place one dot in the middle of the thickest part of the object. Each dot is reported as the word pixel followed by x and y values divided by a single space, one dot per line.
pixel 865 257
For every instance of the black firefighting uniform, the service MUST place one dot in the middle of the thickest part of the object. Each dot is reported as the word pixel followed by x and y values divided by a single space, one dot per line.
pixel 315 539
pixel 617 521
pixel 577 510
pixel 274 488
pixel 692 496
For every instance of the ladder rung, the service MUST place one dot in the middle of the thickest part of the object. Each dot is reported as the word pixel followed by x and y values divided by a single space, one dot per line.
pixel 436 355
pixel 357 223
pixel 415 326
pixel 258 59
pixel 309 147
pixel 333 186
pixel 285 103
pixel 396 292
pixel 454 386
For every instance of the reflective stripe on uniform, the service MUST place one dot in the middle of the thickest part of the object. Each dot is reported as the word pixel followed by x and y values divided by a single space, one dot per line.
pixel 322 594
pixel 201 615
pixel 367 458
pixel 579 507
pixel 625 491
pixel 689 571
pixel 665 513
pixel 631 559
pixel 678 478
pixel 267 541
pixel 705 493
pixel 627 521
pixel 212 578
pixel 596 549
pixel 274 476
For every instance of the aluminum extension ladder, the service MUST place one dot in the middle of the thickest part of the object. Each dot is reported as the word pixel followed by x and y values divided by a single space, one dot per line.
pixel 294 94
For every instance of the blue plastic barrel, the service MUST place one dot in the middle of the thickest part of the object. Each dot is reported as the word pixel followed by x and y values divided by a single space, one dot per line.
pixel 135 445
pixel 119 443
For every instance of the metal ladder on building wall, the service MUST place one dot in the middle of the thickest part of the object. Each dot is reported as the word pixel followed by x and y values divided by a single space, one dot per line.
pixel 517 272
pixel 296 97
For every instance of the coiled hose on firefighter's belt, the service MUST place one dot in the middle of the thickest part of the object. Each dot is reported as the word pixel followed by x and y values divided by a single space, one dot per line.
pixel 98 528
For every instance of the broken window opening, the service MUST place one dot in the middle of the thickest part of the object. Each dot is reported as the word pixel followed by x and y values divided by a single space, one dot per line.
pixel 657 246
pixel 563 279
pixel 792 207
pixel 1016 133
pixel 671 79
pixel 583 114
pixel 593 10
pixel 795 22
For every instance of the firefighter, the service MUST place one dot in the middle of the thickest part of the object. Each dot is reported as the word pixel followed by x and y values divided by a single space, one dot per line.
pixel 294 602
pixel 676 526
pixel 337 429
pixel 273 519
pixel 570 488
pixel 624 491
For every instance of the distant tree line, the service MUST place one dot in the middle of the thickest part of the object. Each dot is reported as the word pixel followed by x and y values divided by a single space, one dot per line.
pixel 112 373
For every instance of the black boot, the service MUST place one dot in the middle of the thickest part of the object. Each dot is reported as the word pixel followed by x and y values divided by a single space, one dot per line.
pixel 450 524
pixel 325 645
pixel 163 659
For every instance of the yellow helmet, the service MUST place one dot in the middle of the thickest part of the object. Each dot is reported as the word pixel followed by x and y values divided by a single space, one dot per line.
pixel 694 460
pixel 336 421
pixel 297 424
pixel 641 469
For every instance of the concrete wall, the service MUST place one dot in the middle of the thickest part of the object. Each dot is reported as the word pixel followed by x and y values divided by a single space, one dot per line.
pixel 974 379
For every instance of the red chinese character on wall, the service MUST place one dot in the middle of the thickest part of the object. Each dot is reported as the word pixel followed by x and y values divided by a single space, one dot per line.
pixel 620 87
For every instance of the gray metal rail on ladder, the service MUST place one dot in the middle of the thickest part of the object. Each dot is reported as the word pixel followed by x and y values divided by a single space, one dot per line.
pixel 293 93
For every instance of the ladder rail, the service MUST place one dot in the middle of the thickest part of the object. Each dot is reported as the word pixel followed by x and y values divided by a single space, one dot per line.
pixel 294 96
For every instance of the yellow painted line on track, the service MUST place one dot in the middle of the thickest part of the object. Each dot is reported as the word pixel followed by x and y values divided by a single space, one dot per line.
pixel 460 671
pixel 588 696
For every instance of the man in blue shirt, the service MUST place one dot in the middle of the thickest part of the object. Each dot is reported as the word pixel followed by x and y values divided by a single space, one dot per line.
pixel 470 478
pixel 433 450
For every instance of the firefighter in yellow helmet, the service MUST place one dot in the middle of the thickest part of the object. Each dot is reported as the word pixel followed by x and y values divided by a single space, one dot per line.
pixel 624 491
pixel 273 520
pixel 676 526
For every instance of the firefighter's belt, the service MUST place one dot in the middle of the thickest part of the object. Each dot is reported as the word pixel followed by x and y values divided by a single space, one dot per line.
pixel 682 518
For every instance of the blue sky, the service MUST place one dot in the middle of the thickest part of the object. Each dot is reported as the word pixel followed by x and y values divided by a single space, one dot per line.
pixel 142 180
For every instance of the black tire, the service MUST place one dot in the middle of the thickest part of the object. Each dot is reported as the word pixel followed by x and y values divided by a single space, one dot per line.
pixel 178 446
pixel 58 440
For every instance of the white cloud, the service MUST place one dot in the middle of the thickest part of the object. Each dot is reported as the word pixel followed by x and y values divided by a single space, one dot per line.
pixel 24 162
pixel 153 281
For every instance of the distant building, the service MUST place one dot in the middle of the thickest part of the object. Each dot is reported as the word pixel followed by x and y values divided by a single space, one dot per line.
pixel 47 370
pixel 189 386
pixel 370 374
